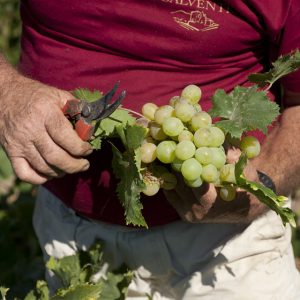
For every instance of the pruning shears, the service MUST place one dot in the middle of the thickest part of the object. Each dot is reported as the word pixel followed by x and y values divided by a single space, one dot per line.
pixel 83 113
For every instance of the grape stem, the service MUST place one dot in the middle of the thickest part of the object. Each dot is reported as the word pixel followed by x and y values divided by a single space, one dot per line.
pixel 133 112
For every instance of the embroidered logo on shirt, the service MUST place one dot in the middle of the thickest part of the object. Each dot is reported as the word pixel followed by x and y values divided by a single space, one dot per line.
pixel 196 20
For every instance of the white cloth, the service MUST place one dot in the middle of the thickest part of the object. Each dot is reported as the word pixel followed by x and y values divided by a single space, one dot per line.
pixel 181 261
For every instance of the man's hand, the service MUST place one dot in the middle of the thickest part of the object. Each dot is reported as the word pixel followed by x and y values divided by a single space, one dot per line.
pixel 37 137
pixel 203 204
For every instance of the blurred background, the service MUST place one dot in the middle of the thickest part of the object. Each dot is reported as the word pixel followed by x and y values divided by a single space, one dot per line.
pixel 20 257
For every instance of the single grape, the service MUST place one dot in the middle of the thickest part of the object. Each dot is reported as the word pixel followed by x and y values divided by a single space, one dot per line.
pixel 152 186
pixel 218 136
pixel 204 155
pixel 250 146
pixel 174 100
pixel 197 107
pixel 227 173
pixel 165 151
pixel 176 164
pixel 191 169
pixel 194 183
pixel 218 158
pixel 148 152
pixel 184 111
pixel 200 120
pixel 185 150
pixel 168 181
pixel 148 110
pixel 144 122
pixel 172 126
pixel 163 112
pixel 156 131
pixel 202 137
pixel 185 135
pixel 210 173
pixel 227 193
pixel 192 93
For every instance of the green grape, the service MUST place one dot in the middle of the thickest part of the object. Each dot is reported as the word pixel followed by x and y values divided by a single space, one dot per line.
pixel 176 164
pixel 168 181
pixel 163 112
pixel 218 158
pixel 152 186
pixel 202 137
pixel 172 126
pixel 148 152
pixel 194 183
pixel 174 100
pixel 250 146
pixel 165 151
pixel 210 173
pixel 192 93
pixel 191 169
pixel 200 120
pixel 204 155
pixel 218 136
pixel 148 110
pixel 185 150
pixel 197 107
pixel 156 131
pixel 227 173
pixel 143 122
pixel 185 135
pixel 184 111
pixel 227 193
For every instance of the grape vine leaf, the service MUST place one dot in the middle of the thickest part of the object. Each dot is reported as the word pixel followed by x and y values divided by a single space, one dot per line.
pixel 87 95
pixel 264 194
pixel 284 65
pixel 127 168
pixel 3 292
pixel 80 292
pixel 41 292
pixel 243 109
pixel 106 128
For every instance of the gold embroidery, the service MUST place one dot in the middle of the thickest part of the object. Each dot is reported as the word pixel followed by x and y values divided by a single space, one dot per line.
pixel 195 20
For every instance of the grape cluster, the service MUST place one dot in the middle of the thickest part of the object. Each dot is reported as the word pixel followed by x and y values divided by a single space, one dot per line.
pixel 182 136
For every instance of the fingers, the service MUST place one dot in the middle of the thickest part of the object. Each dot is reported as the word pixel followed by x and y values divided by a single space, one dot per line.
pixel 25 172
pixel 62 133
pixel 55 156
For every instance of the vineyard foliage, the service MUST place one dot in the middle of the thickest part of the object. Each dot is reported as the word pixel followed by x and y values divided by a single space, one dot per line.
pixel 21 263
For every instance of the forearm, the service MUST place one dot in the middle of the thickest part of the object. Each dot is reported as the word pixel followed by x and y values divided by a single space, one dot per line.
pixel 280 155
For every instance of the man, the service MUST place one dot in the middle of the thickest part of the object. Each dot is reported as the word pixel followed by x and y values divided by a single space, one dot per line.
pixel 155 48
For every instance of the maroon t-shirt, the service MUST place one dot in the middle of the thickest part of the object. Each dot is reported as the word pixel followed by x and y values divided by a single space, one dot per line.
pixel 155 48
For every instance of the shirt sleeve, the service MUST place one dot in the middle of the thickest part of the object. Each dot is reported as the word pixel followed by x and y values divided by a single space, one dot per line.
pixel 290 40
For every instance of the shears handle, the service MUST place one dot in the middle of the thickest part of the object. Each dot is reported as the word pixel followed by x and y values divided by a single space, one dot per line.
pixel 72 110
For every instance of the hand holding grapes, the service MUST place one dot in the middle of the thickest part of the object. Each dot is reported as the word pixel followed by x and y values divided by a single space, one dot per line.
pixel 199 162
pixel 206 203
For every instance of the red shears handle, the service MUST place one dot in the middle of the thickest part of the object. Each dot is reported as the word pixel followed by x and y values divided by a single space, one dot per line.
pixel 72 110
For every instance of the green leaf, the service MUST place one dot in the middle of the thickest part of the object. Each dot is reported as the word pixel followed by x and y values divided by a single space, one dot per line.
pixel 243 109
pixel 3 292
pixel 283 66
pixel 41 292
pixel 127 167
pixel 264 194
pixel 87 95
pixel 119 117
pixel 84 291
pixel 67 269
pixel 116 284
